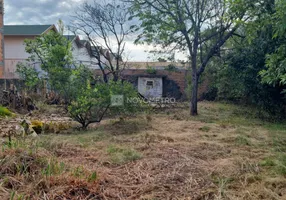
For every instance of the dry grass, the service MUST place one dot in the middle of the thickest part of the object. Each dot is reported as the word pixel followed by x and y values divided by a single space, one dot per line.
pixel 36 174
pixel 224 153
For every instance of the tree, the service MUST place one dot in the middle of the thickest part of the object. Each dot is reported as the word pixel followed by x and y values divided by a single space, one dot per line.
pixel 106 26
pixel 88 104
pixel 92 102
pixel 29 74
pixel 275 74
pixel 53 52
pixel 200 27
pixel 238 79
pixel 237 76
pixel 87 99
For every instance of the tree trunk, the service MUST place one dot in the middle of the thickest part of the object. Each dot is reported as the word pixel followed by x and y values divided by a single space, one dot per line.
pixel 115 76
pixel 195 79
pixel 194 98
pixel 84 126
pixel 105 79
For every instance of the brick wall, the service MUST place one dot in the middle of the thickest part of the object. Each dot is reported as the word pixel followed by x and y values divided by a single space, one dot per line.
pixel 174 82
pixel 1 40
pixel 177 76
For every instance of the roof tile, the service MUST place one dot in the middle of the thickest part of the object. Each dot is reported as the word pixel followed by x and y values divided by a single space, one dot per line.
pixel 25 29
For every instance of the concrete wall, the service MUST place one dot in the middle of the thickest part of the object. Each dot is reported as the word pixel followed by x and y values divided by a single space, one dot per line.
pixel 154 90
pixel 174 82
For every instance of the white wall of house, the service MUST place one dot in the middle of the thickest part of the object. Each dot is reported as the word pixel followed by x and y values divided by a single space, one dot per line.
pixel 15 48
pixel 14 51
pixel 82 56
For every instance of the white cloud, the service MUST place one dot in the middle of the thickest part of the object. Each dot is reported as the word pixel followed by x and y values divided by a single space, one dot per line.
pixel 50 11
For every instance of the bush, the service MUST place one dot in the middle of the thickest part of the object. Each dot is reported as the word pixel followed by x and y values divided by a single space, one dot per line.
pixel 5 112
pixel 91 102
pixel 238 79
pixel 210 94
pixel 171 68
pixel 151 70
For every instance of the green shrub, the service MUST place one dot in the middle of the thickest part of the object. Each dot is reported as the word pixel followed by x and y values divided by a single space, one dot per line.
pixel 92 99
pixel 151 70
pixel 5 112
pixel 171 68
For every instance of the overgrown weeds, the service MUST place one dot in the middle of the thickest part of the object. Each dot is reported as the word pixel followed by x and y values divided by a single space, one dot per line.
pixel 33 173
pixel 218 154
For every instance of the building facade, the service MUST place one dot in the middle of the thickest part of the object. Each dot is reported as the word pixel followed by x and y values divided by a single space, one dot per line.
pixel 14 36
pixel 1 39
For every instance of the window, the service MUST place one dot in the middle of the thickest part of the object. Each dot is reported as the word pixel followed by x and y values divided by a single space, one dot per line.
pixel 150 84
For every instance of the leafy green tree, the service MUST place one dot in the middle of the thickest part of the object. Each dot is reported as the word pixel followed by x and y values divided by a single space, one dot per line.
pixel 275 74
pixel 88 99
pixel 239 78
pixel 29 74
pixel 91 102
pixel 198 27
pixel 53 51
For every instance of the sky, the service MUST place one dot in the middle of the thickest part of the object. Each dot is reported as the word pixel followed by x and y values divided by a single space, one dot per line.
pixel 21 12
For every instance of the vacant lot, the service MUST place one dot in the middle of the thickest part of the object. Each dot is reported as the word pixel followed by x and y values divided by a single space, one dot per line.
pixel 224 153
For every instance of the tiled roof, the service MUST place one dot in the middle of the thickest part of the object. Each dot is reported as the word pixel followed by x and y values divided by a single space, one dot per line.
pixel 27 29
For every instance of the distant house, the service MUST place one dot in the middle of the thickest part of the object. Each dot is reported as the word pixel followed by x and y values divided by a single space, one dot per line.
pixel 14 48
pixel 84 53
pixel 14 36
pixel 152 79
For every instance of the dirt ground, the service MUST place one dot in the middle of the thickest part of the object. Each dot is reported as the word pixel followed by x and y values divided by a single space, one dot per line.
pixel 224 153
